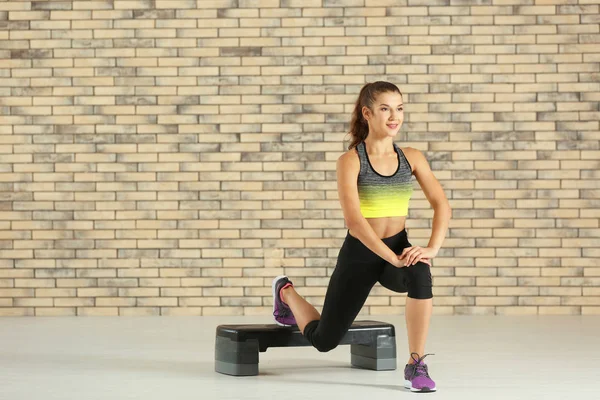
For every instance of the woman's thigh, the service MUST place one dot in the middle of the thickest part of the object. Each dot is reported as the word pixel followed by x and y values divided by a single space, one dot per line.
pixel 348 289
pixel 395 279
pixel 416 280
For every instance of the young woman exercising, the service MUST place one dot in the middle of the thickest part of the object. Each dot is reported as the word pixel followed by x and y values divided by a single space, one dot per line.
pixel 374 187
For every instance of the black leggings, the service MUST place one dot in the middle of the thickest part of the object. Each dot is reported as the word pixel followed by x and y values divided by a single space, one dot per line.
pixel 356 272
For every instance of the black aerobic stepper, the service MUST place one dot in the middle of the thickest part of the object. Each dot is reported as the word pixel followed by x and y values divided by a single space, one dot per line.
pixel 373 345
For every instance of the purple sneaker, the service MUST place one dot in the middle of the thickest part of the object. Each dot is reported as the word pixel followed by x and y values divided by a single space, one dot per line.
pixel 281 311
pixel 416 376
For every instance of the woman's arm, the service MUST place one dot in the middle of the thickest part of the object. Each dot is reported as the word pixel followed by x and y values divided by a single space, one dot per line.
pixel 436 196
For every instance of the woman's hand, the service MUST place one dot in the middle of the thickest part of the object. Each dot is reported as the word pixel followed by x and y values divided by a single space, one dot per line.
pixel 399 263
pixel 413 254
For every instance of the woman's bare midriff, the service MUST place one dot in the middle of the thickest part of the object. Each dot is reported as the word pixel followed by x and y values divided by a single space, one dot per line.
pixel 385 227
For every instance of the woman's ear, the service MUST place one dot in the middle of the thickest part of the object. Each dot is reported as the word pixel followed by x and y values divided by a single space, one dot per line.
pixel 366 113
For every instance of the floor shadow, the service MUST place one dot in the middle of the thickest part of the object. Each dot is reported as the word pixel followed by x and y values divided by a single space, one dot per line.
pixel 395 388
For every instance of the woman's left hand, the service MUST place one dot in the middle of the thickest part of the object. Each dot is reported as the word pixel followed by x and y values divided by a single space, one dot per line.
pixel 413 254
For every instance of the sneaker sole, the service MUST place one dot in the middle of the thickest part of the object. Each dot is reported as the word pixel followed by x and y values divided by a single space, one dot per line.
pixel 274 297
pixel 408 385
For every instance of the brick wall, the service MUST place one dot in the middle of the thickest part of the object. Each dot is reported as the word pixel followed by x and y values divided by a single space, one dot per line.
pixel 171 157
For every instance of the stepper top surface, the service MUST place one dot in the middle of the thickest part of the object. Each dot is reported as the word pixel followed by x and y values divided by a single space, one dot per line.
pixel 253 331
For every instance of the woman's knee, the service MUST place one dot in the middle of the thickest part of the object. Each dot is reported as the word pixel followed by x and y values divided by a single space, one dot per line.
pixel 421 282
pixel 322 343
pixel 325 345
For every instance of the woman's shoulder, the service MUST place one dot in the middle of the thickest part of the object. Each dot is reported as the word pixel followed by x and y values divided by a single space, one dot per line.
pixel 349 158
pixel 415 157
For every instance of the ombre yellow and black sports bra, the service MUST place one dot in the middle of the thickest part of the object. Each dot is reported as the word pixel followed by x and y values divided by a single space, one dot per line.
pixel 381 195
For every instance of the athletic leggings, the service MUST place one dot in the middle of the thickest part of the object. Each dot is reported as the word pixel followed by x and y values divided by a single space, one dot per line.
pixel 356 272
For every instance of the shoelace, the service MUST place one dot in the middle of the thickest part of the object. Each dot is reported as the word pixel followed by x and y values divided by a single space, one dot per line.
pixel 283 312
pixel 420 369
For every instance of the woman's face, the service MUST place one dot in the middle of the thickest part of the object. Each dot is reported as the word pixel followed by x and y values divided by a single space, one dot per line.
pixel 387 115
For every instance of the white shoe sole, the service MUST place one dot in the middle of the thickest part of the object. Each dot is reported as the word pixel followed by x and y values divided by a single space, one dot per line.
pixel 275 297
pixel 408 385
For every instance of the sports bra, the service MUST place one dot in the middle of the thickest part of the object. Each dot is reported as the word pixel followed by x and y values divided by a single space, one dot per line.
pixel 381 195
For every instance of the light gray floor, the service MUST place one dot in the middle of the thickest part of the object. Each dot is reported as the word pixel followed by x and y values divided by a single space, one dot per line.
pixel 490 357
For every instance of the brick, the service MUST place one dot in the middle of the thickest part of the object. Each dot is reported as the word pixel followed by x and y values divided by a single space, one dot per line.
pixel 33 302
pixel 181 311
pixel 199 301
pixel 474 310
pixel 75 302
pixel 56 312
pixel 223 311
pixel 154 302
pixel 97 312
pixel 516 310
pixel 17 312
pixel 540 301
pixel 496 301
pixel 139 311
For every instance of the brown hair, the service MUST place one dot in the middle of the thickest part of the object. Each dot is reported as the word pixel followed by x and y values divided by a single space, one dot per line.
pixel 359 128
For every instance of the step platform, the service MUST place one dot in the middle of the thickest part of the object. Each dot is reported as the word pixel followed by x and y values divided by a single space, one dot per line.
pixel 372 345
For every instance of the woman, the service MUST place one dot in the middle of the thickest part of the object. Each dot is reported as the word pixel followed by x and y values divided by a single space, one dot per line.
pixel 374 187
